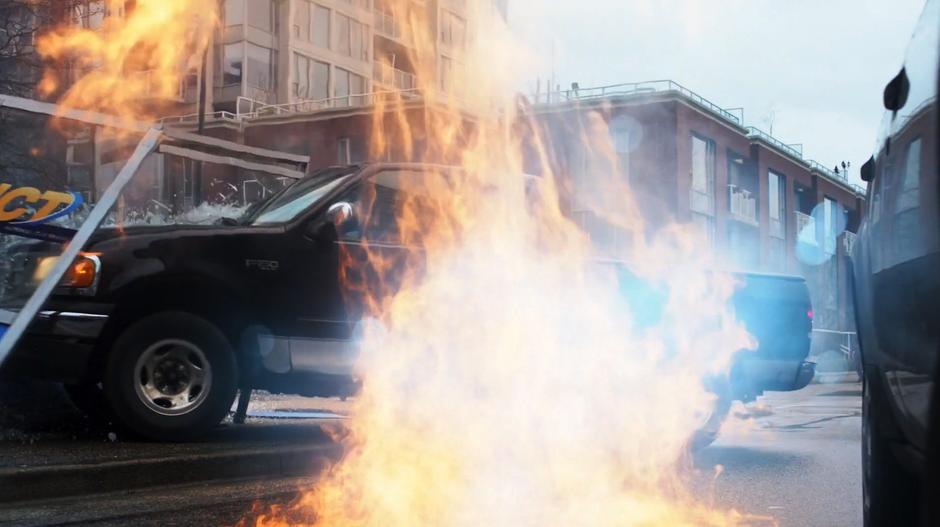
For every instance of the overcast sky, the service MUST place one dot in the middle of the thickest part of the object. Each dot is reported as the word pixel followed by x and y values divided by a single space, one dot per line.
pixel 814 69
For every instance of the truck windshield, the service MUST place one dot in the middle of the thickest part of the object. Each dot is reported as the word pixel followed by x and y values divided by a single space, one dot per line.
pixel 295 199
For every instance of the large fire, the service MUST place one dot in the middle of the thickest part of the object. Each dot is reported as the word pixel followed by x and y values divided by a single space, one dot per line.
pixel 124 57
pixel 506 379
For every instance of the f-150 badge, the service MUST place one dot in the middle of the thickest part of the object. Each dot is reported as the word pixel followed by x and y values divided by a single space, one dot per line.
pixel 263 265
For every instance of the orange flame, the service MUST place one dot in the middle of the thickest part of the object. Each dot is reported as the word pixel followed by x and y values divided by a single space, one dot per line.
pixel 133 61
pixel 506 382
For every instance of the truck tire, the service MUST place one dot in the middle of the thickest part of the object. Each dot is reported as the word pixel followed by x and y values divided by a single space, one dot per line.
pixel 708 433
pixel 171 376
pixel 890 494
pixel 90 399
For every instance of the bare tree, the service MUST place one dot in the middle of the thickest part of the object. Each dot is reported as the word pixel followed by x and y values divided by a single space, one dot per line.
pixel 32 152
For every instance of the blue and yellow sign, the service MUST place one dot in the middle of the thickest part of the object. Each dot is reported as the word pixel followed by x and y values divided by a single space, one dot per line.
pixel 31 206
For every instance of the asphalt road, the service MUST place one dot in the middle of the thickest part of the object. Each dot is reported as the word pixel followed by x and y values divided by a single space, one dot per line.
pixel 796 456
pixel 792 456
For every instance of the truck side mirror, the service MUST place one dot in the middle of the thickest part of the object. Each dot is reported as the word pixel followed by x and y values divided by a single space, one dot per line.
pixel 338 220
pixel 868 170
pixel 896 92
pixel 340 214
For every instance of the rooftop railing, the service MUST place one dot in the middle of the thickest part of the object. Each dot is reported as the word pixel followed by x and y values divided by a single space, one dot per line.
pixel 669 86
pixel 757 133
pixel 634 88
pixel 815 165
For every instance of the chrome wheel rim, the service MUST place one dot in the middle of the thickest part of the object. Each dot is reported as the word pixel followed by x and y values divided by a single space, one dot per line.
pixel 172 377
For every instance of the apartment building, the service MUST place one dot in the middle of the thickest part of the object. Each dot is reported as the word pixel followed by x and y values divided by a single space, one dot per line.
pixel 314 54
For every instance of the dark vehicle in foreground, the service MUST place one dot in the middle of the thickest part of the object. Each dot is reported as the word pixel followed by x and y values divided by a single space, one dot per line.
pixel 897 295
pixel 162 325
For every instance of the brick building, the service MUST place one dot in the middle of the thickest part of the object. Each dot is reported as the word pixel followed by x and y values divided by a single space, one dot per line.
pixel 763 206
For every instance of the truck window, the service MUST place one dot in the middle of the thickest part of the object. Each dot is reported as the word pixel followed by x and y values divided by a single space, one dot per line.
pixel 907 205
pixel 379 202
pixel 298 198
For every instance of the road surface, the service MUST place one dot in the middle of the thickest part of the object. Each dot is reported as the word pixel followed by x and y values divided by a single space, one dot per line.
pixel 793 456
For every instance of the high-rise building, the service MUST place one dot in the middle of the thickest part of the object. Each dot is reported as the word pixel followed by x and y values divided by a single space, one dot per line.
pixel 324 53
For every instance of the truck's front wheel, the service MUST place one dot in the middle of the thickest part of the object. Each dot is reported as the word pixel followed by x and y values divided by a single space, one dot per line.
pixel 171 376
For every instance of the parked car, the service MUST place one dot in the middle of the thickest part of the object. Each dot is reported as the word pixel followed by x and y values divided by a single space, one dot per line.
pixel 897 295
pixel 776 310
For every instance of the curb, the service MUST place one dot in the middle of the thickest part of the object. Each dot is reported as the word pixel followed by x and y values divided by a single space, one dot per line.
pixel 61 481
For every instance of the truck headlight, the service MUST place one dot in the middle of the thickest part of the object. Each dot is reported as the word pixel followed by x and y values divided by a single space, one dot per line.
pixel 82 274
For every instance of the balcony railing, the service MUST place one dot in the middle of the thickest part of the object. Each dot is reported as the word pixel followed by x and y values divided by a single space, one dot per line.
pixel 848 242
pixel 248 109
pixel 742 205
pixel 701 202
pixel 806 229
pixel 393 78
pixel 388 25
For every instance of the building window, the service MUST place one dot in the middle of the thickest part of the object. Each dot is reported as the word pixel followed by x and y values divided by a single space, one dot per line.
pixel 351 38
pixel 344 151
pixel 623 132
pixel 232 60
pixel 260 68
pixel 302 20
pixel 832 216
pixel 706 225
pixel 702 194
pixel 447 73
pixel 453 30
pixel 89 14
pixel 908 196
pixel 348 88
pixel 777 203
pixel 261 14
pixel 311 78
pixel 234 12
pixel 777 254
pixel 320 26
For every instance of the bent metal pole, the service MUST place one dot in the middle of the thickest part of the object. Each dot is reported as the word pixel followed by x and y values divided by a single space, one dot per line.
pixel 25 316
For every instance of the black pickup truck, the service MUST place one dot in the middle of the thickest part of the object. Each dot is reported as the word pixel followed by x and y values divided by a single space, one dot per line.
pixel 162 325
pixel 896 279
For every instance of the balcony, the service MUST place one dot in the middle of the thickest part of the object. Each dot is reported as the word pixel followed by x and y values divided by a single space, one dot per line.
pixel 701 202
pixel 392 78
pixel 389 26
pixel 806 229
pixel 742 205
pixel 778 228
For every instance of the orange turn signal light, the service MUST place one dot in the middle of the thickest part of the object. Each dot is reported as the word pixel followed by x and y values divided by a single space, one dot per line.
pixel 81 273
